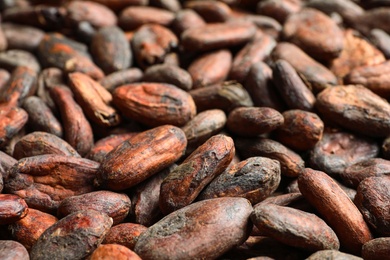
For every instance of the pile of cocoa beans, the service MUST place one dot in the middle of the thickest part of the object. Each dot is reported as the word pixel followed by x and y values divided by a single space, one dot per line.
pixel 168 129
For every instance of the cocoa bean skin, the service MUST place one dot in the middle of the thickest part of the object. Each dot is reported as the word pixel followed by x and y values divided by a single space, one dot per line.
pixel 12 250
pixel 178 235
pixel 73 237
pixel 336 208
pixel 140 157
pixel 376 249
pixel 12 208
pixel 125 234
pixel 114 252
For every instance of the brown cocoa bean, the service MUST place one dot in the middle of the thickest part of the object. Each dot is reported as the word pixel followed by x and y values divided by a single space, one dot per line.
pixel 73 237
pixel 141 156
pixel 12 208
pixel 12 250
pixel 279 9
pixel 12 59
pixel 185 182
pixel 171 74
pixel 134 17
pixel 219 217
pixel 336 208
pixel 22 37
pixel 125 234
pixel 210 11
pixel 332 254
pixel 122 77
pixel 381 40
pixel 376 249
pixel 12 120
pixel 113 252
pixel 186 19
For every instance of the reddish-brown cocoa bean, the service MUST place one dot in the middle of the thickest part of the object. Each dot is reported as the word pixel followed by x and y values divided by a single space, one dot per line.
pixel 221 217
pixel 113 252
pixel 279 9
pixel 217 36
pixel 93 99
pixel 210 68
pixel 141 156
pixel 355 108
pixel 6 163
pixel 12 250
pixel 134 17
pixel 155 104
pixel 253 121
pixel 301 130
pixel 336 208
pixel 12 208
pixel 371 199
pixel 41 117
pixel 186 19
pixel 373 167
pixel 115 205
pixel 376 249
pixel 210 11
pixel 125 234
pixel 294 227
pixel 338 150
pixel 96 14
pixel 152 43
pixel 310 29
pixel 43 181
pixel 102 147
pixel 292 165
pixel 254 179
pixel 111 50
pixel 119 5
pixel 145 207
pixel 39 143
pixel 77 130
pixel 74 237
pixel 122 77
pixel 185 182
pixel 28 229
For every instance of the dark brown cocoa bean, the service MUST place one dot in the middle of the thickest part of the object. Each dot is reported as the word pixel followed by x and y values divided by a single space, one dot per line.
pixel 338 150
pixel 210 11
pixel 291 87
pixel 186 19
pixel 294 227
pixel 145 199
pixel 73 237
pixel 315 75
pixel 371 199
pixel 373 167
pixel 254 51
pixel 22 37
pixel 43 181
pixel 6 163
pixel 47 79
pixel 171 74
pixel 119 5
pixel 122 77
pixel 336 208
pixel 134 17
pixel 39 143
pixel 310 29
pixel 12 121
pixel 253 121
pixel 28 229
pixel 279 9
pixel 12 59
pixel 355 108
pixel 373 18
pixel 386 148
pixel 381 40
pixel 102 147
pixel 301 130
pixel 113 251
pixel 155 104
pixel 111 50
pixel 152 43
pixel 115 205
pixel 141 156
pixel 93 99
pixel 220 216
pixel 4 77
pixel 125 234
pixel 170 5
pixel 292 165
pixel 332 254
pixel 12 250
pixel 217 36
pixel 210 68
pixel 376 249
pixel 225 96
pixel 12 208
pixel 185 182
pixel 254 179
pixel 40 116
pixel 77 130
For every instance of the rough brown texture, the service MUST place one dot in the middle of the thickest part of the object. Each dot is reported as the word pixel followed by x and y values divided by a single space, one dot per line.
pixel 196 230
pixel 113 252
pixel 12 208
pixel 125 234
pixel 294 227
pixel 73 237
pixel 171 74
pixel 155 104
pixel 140 157
pixel 133 17
pixel 12 250
pixel 185 182
pixel 376 249
pixel 336 208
